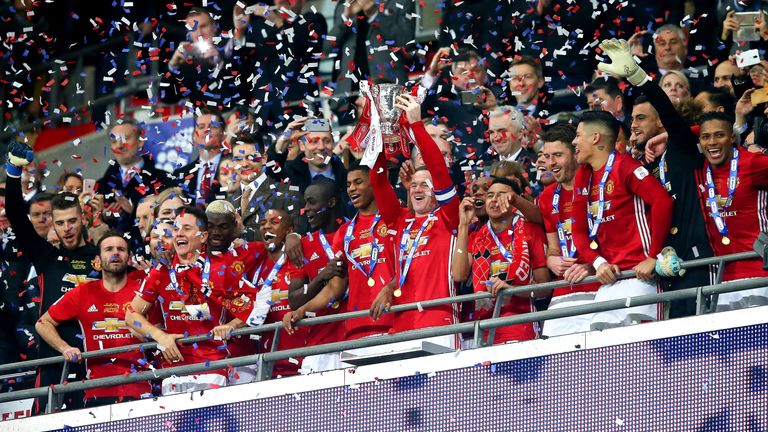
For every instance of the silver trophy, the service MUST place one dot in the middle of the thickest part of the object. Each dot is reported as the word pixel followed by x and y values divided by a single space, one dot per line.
pixel 384 96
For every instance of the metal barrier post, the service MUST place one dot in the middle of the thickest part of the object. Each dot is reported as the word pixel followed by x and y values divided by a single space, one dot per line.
pixel 265 368
pixel 500 297
pixel 718 279
pixel 699 302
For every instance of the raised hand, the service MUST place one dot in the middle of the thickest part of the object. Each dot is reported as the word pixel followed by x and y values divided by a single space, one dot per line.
pixel 622 63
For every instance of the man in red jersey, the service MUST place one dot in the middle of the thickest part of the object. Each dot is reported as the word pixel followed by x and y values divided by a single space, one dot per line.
pixel 99 307
pixel 556 204
pixel 323 212
pixel 195 292
pixel 735 197
pixel 506 251
pixel 424 240
pixel 366 261
pixel 613 229
pixel 244 259
pixel 276 278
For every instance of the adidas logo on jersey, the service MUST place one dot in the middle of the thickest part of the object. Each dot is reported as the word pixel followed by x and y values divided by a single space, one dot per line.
pixel 314 256
pixel 92 308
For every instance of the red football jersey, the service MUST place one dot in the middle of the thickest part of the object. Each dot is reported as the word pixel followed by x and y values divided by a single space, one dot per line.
pixel 315 259
pixel 745 217
pixel 565 215
pixel 628 232
pixel 278 308
pixel 228 291
pixel 360 295
pixel 526 244
pixel 101 315
pixel 244 260
pixel 429 276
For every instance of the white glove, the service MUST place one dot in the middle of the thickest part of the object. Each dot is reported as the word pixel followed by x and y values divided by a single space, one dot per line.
pixel 622 63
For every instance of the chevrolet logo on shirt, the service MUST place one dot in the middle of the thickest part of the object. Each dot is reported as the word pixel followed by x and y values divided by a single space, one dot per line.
pixel 593 208
pixel 109 325
pixel 177 305
pixel 364 251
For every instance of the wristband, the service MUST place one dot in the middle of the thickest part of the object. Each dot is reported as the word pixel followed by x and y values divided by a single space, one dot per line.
pixel 13 170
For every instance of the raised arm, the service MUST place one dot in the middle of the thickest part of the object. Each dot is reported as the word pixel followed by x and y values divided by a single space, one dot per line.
pixel 461 264
pixel 445 190
pixel 624 65
pixel 30 243
pixel 386 198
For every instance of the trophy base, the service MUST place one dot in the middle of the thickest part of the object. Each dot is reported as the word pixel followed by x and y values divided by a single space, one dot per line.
pixel 391 145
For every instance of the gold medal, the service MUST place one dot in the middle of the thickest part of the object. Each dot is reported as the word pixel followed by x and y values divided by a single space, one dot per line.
pixel 726 241
pixel 371 282
pixel 673 230
pixel 593 245
pixel 398 292
pixel 335 305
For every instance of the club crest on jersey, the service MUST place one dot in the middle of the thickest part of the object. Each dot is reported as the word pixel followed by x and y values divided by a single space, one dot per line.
pixel 96 263
pixel 609 188
pixel 238 266
pixel 109 325
pixel 382 230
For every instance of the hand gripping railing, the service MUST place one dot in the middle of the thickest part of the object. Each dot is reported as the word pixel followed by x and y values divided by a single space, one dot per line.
pixel 477 327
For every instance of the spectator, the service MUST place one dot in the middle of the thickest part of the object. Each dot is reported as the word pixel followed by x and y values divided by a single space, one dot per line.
pixel 145 214
pixel 371 41
pixel 725 71
pixel 459 97
pixel 130 177
pixel 675 85
pixel 70 182
pixel 506 130
pixel 627 240
pixel 199 178
pixel 188 310
pixel 168 201
pixel 507 251
pixel 316 159
pixel 194 70
pixel 526 87
pixel 80 304
pixel 716 99
pixel 604 94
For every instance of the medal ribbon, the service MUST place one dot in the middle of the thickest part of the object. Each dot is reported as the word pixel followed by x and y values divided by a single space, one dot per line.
pixel 415 245
pixel 595 224
pixel 348 236
pixel 326 247
pixel 502 250
pixel 275 270
pixel 712 197
pixel 565 251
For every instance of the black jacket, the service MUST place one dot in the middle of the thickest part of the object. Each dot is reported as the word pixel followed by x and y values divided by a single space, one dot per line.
pixel 186 179
pixel 297 173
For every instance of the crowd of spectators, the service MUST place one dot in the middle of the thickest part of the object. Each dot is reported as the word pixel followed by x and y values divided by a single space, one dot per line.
pixel 553 140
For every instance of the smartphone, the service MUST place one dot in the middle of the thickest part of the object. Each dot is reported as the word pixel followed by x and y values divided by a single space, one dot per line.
pixel 468 98
pixel 747 58
pixel 741 84
pixel 747 26
pixel 317 125
pixel 89 186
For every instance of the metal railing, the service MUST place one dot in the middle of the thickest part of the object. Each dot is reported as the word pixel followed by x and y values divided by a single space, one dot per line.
pixel 265 360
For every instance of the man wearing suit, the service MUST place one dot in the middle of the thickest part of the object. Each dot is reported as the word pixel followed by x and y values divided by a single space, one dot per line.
pixel 370 42
pixel 129 177
pixel 199 178
pixel 317 159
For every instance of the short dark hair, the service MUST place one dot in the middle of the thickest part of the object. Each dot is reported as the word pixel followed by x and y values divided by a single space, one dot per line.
pixel 40 197
pixel 111 233
pixel 198 213
pixel 125 120
pixel 642 99
pixel 507 182
pixel 530 61
pixel 65 201
pixel 717 116
pixel 608 84
pixel 357 166
pixel 206 110
pixel 198 10
pixel 604 119
pixel 562 133
pixel 721 97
